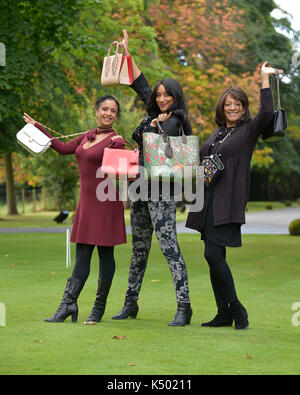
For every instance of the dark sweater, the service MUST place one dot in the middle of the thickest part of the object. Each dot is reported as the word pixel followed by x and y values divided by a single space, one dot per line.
pixel 171 126
pixel 231 191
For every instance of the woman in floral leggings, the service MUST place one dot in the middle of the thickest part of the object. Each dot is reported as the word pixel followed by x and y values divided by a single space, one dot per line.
pixel 166 103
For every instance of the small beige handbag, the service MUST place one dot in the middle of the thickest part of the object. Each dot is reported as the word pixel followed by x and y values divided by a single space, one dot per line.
pixel 111 66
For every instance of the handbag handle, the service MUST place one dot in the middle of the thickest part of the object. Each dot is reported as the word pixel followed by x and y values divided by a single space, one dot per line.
pixel 166 139
pixel 278 89
pixel 115 61
pixel 163 133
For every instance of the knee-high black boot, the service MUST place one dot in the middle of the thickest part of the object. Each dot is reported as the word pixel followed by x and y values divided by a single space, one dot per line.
pixel 68 305
pixel 100 302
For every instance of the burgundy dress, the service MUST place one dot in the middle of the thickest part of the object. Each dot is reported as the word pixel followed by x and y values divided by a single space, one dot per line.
pixel 96 222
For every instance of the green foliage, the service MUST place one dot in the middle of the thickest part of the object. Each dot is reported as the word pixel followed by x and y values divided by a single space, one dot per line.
pixel 262 41
pixel 294 227
pixel 55 52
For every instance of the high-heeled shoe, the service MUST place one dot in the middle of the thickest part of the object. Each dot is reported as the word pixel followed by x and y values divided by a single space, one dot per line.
pixel 68 305
pixel 223 318
pixel 239 315
pixel 100 302
pixel 130 309
pixel 183 315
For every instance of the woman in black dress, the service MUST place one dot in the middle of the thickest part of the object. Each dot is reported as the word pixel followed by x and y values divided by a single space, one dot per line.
pixel 224 204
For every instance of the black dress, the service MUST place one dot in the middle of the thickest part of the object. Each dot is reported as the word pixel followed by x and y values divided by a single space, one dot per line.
pixel 231 192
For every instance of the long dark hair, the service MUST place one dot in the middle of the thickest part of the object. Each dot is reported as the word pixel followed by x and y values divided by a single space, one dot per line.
pixel 179 107
pixel 237 94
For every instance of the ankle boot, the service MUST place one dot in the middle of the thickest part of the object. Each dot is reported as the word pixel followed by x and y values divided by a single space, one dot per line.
pixel 130 309
pixel 183 315
pixel 239 315
pixel 223 318
pixel 68 305
pixel 100 302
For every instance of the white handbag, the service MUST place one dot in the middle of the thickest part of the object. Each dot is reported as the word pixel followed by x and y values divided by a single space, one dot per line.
pixel 111 67
pixel 117 68
pixel 33 140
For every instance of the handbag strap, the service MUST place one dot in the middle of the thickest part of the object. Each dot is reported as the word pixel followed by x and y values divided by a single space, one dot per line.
pixel 131 145
pixel 278 89
pixel 221 141
pixel 62 136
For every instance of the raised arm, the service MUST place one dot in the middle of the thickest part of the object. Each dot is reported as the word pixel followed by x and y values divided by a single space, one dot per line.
pixel 140 84
pixel 265 73
pixel 136 72
pixel 59 146
pixel 265 114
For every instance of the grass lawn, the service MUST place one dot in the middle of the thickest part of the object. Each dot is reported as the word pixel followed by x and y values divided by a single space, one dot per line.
pixel 32 280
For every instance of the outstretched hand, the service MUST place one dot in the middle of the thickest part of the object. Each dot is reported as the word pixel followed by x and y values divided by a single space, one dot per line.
pixel 267 70
pixel 125 41
pixel 27 118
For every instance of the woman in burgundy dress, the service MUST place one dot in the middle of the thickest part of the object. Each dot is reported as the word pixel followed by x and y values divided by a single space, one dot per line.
pixel 97 223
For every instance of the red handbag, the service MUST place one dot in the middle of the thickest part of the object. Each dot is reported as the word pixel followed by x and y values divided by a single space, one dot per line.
pixel 122 163
pixel 126 76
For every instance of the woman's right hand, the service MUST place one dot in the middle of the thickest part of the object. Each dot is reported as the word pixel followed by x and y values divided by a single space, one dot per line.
pixel 161 118
pixel 27 118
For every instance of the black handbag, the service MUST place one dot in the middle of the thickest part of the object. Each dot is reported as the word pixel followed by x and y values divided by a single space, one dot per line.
pixel 213 166
pixel 213 169
pixel 278 126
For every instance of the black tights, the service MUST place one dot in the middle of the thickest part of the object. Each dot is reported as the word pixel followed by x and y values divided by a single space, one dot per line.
pixel 83 262
pixel 220 275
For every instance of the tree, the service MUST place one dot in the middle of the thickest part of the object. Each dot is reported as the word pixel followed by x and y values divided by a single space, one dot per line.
pixel 198 41
pixel 29 30
pixel 55 52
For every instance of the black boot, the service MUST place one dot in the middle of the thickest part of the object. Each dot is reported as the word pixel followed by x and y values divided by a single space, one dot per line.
pixel 130 309
pixel 223 318
pixel 100 302
pixel 183 315
pixel 239 315
pixel 68 305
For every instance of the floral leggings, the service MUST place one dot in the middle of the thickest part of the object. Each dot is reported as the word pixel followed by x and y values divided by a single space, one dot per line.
pixel 159 216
